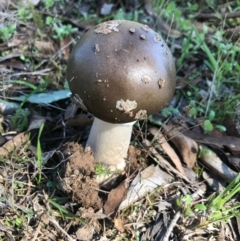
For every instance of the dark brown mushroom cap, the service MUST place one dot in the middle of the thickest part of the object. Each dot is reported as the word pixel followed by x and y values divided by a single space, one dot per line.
pixel 122 71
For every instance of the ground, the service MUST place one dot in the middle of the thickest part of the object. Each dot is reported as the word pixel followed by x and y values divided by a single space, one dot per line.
pixel 79 177
pixel 182 176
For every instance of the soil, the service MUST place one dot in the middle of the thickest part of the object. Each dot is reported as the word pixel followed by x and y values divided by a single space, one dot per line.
pixel 79 177
pixel 134 158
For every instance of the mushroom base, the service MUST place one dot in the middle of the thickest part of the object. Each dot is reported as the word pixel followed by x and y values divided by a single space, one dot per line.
pixel 109 143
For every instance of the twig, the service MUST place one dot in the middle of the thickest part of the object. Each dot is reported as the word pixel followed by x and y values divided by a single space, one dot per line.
pixel 199 193
pixel 57 226
pixel 171 226
pixel 38 72
pixel 38 230
pixel 188 236
pixel 233 33
pixel 10 56
pixel 6 230
pixel 60 50
pixel 218 15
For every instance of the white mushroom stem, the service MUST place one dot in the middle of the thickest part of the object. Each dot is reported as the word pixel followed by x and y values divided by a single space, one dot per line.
pixel 109 143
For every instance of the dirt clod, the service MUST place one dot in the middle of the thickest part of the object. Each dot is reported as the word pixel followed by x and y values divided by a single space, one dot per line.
pixel 79 178
pixel 134 155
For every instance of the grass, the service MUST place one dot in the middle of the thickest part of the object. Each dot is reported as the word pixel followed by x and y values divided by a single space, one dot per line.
pixel 219 58
pixel 218 208
pixel 65 214
pixel 102 170
pixel 7 31
pixel 39 155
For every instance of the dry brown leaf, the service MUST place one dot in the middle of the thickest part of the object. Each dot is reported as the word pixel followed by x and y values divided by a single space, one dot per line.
pixel 65 47
pixel 148 6
pixel 166 165
pixel 15 41
pixel 92 215
pixel 79 120
pixel 15 64
pixel 192 176
pixel 119 224
pixel 168 149
pixel 145 182
pixel 36 120
pixel 235 161
pixel 231 142
pixel 45 219
pixel 85 233
pixel 16 142
pixel 115 197
pixel 211 160
pixel 201 25
pixel 186 146
pixel 45 47
pixel 70 111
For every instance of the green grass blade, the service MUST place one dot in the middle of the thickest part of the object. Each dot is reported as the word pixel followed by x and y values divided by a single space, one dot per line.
pixel 39 152
pixel 22 82
pixel 64 212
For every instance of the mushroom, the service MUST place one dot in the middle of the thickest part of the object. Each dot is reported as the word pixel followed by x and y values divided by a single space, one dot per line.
pixel 120 71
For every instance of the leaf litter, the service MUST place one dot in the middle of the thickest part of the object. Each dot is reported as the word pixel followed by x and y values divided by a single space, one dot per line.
pixel 67 203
